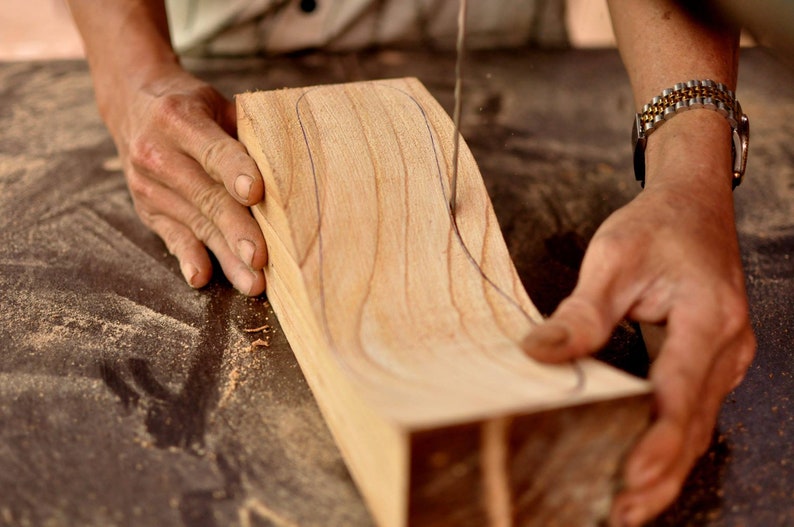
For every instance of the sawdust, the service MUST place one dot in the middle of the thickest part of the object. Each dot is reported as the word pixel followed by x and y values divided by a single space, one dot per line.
pixel 231 384
pixel 255 512
pixel 264 328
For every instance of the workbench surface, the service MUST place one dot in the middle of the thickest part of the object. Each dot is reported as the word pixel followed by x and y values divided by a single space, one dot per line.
pixel 126 398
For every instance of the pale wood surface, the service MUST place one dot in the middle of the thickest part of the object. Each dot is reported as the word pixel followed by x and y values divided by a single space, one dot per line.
pixel 403 318
pixel 129 399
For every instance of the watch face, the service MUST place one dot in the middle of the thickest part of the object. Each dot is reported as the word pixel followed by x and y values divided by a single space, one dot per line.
pixel 638 146
pixel 741 150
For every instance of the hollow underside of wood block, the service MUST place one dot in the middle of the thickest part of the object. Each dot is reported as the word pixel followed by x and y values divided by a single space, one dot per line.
pixel 406 320
pixel 557 468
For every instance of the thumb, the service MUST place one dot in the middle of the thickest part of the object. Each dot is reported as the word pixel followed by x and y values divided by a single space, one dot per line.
pixel 581 325
pixel 608 286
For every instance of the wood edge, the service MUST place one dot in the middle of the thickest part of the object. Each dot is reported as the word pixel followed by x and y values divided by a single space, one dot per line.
pixel 478 473
pixel 374 432
pixel 375 448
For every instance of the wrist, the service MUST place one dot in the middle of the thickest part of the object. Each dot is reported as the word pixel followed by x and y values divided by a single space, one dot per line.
pixel 127 46
pixel 690 151
pixel 681 99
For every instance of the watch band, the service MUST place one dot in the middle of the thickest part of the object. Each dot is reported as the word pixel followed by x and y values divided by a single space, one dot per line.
pixel 691 95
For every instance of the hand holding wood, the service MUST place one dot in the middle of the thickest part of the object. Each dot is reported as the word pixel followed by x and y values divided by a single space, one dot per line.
pixel 407 322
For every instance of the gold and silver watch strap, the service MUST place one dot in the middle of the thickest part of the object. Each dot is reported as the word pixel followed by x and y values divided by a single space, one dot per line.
pixel 684 96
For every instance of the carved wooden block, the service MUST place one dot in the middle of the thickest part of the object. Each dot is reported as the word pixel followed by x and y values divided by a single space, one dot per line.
pixel 406 321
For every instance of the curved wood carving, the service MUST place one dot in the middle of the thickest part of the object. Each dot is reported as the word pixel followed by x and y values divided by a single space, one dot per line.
pixel 406 320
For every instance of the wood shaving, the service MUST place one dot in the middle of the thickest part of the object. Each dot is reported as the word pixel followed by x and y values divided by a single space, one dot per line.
pixel 260 343
pixel 266 329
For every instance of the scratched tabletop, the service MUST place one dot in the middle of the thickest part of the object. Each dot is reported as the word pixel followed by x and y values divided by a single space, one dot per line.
pixel 126 398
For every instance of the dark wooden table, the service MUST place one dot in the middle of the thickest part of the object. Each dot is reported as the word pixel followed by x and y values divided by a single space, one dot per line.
pixel 126 398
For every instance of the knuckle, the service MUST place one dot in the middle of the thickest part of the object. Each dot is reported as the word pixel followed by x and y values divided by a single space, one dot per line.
pixel 175 242
pixel 173 109
pixel 141 188
pixel 744 357
pixel 163 228
pixel 609 254
pixel 222 152
pixel 144 214
pixel 176 110
pixel 146 155
pixel 735 314
pixel 702 437
pixel 582 308
pixel 668 491
pixel 608 244
pixel 747 351
pixel 170 239
pixel 212 154
pixel 204 230
pixel 584 314
pixel 208 95
pixel 210 200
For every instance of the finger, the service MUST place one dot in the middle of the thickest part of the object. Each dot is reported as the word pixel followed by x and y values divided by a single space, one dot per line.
pixel 659 465
pixel 584 321
pixel 194 262
pixel 679 377
pixel 170 205
pixel 638 508
pixel 578 327
pixel 689 391
pixel 244 279
pixel 221 156
pixel 193 185
pixel 232 220
pixel 637 505
pixel 729 366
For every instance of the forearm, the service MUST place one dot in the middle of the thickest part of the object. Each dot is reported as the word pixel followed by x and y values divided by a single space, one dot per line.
pixel 662 44
pixel 127 44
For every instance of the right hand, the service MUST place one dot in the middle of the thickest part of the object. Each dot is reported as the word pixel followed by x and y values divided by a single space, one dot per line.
pixel 190 180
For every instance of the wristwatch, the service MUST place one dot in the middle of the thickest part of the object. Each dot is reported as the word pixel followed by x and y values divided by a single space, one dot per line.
pixel 691 95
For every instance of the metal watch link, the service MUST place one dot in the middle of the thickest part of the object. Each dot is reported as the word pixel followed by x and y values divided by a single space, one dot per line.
pixel 691 95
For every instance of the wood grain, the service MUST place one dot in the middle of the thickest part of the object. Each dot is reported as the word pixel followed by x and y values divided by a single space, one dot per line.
pixel 406 321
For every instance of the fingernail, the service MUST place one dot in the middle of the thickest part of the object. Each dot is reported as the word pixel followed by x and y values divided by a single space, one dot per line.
pixel 242 185
pixel 189 271
pixel 244 281
pixel 246 250
pixel 549 336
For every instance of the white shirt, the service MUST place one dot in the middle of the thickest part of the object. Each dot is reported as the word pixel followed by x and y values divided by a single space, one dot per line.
pixel 241 27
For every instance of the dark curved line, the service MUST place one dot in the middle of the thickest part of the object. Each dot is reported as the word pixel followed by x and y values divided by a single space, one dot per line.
pixel 580 378
pixel 318 210
pixel 452 219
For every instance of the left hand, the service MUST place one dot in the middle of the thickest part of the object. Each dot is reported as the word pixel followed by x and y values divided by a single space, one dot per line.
pixel 670 258
pixel 191 182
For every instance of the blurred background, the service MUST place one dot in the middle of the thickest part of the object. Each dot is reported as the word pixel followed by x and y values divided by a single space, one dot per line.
pixel 37 30
pixel 43 29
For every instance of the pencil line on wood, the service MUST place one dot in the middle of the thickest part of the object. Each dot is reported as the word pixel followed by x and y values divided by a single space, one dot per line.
pixel 453 222
pixel 318 210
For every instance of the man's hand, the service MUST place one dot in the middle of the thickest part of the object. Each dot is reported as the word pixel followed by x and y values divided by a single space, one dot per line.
pixel 190 180
pixel 670 258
